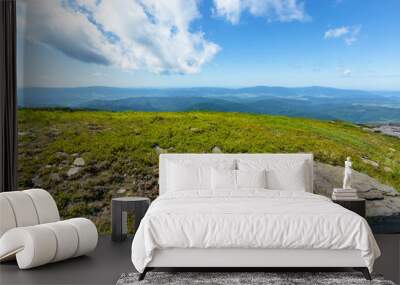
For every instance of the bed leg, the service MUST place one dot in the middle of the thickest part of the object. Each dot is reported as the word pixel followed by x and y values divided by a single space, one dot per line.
pixel 143 274
pixel 365 272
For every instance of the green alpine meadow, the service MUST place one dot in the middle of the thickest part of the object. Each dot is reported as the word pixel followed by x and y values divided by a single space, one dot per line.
pixel 84 158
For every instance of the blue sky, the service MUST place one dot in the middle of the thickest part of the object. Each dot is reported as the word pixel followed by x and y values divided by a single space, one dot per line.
pixel 128 43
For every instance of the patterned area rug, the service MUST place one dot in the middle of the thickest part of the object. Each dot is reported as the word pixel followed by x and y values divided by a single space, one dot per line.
pixel 243 278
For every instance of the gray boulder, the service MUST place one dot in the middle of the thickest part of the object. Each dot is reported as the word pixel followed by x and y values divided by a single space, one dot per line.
pixel 159 150
pixel 370 162
pixel 55 177
pixel 73 171
pixel 121 191
pixel 79 161
pixel 216 149
pixel 37 181
pixel 61 154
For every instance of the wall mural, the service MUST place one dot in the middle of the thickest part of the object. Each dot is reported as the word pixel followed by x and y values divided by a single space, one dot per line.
pixel 105 86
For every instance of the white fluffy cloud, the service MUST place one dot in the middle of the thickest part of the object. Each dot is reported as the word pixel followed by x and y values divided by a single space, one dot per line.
pixel 272 10
pixel 132 34
pixel 336 33
pixel 347 72
pixel 348 34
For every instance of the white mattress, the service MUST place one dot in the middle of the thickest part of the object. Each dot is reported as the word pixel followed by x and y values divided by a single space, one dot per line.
pixel 253 219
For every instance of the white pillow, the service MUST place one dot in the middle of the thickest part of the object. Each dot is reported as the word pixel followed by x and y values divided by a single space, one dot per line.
pixel 188 174
pixel 251 178
pixel 227 179
pixel 288 175
pixel 223 179
pixel 182 177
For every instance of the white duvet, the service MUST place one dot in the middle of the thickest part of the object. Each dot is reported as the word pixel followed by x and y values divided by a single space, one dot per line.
pixel 250 219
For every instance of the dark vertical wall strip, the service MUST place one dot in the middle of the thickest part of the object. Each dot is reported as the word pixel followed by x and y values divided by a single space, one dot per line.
pixel 8 99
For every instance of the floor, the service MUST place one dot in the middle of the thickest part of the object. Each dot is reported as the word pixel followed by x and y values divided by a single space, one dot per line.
pixel 103 266
pixel 389 263
pixel 106 264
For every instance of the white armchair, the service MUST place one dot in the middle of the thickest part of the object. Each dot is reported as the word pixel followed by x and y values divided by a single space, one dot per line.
pixel 31 230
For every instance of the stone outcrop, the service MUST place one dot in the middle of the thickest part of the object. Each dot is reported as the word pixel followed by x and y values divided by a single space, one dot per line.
pixel 383 201
pixel 391 130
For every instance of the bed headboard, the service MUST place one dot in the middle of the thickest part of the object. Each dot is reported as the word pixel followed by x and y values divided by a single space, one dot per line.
pixel 307 157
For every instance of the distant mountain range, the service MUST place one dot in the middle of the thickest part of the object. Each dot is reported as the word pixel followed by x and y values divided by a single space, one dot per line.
pixel 357 106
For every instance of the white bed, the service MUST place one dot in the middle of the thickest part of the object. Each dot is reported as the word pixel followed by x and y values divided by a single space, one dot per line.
pixel 249 227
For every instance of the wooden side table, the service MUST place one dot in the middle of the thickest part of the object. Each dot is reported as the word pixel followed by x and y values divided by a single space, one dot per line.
pixel 355 205
pixel 120 207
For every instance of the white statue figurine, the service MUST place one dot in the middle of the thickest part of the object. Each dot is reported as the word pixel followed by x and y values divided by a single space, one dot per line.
pixel 347 174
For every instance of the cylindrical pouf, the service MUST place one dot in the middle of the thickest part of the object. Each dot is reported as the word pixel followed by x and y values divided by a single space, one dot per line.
pixel 33 246
pixel 67 240
pixel 23 208
pixel 52 242
pixel 46 207
pixel 87 235
pixel 7 218
pixel 26 208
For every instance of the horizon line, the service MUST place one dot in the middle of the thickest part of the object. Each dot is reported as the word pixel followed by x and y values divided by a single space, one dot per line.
pixel 210 86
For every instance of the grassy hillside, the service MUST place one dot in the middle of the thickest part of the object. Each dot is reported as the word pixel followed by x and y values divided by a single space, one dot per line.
pixel 119 150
